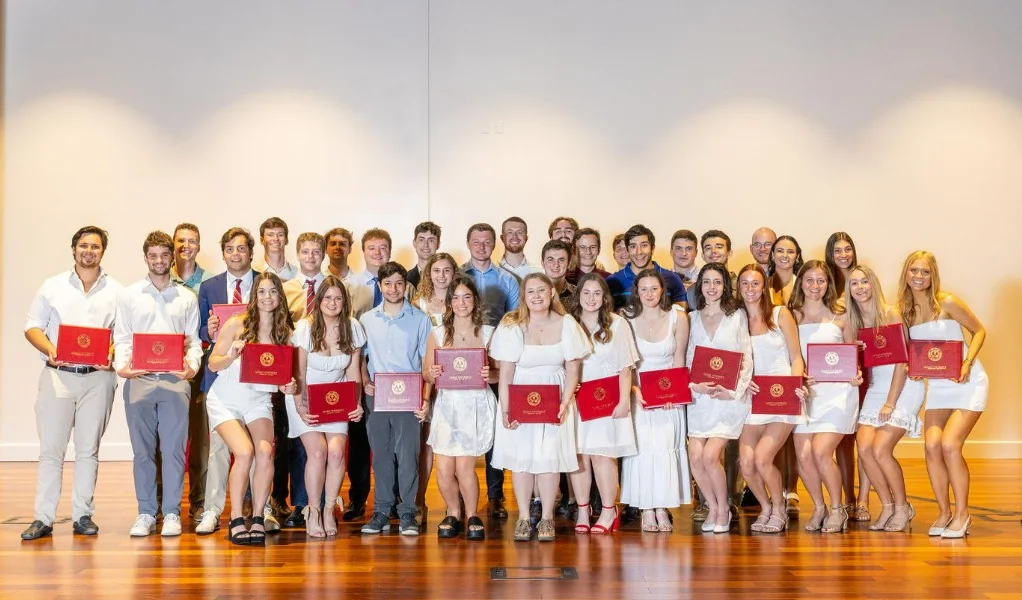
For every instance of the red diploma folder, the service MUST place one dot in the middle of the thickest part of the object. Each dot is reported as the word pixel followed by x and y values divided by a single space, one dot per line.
pixel 397 392
pixel 666 386
pixel 884 345
pixel 332 402
pixel 266 363
pixel 83 345
pixel 596 399
pixel 534 403
pixel 158 352
pixel 832 362
pixel 224 312
pixel 461 368
pixel 777 395
pixel 935 359
pixel 710 365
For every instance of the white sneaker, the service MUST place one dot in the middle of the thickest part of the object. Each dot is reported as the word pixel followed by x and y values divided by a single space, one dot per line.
pixel 144 525
pixel 171 526
pixel 270 522
pixel 208 523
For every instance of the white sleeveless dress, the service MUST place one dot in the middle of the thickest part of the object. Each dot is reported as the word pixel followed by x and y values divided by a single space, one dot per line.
pixel 228 399
pixel 537 447
pixel 709 417
pixel 770 357
pixel 436 319
pixel 320 368
pixel 657 476
pixel 463 420
pixel 944 393
pixel 906 409
pixel 833 407
pixel 607 436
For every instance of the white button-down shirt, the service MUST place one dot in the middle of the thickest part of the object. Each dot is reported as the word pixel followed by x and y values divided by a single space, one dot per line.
pixel 246 286
pixel 522 270
pixel 141 308
pixel 62 299
pixel 286 273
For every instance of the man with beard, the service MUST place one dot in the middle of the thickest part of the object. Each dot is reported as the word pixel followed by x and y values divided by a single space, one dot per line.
pixel 761 246
pixel 641 242
pixel 514 234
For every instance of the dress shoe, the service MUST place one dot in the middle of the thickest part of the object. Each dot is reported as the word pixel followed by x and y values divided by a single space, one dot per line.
pixel 280 509
pixel 85 526
pixel 356 512
pixel 497 509
pixel 296 519
pixel 629 515
pixel 36 530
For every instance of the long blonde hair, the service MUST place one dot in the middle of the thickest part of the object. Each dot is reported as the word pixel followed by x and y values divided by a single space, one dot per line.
pixel 520 316
pixel 877 303
pixel 906 301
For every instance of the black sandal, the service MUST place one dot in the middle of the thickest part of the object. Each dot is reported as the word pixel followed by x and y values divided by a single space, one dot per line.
pixel 257 537
pixel 476 530
pixel 242 537
pixel 450 527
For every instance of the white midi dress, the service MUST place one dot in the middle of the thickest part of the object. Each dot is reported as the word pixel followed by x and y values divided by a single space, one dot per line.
pixel 463 420
pixel 607 436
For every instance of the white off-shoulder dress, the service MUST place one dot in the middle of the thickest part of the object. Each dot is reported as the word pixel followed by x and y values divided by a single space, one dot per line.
pixel 537 447
pixel 608 436
pixel 707 416
pixel 944 393
pixel 463 420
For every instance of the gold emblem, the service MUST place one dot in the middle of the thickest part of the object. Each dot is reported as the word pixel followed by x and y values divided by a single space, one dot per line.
pixel 266 359
pixel 84 340
pixel 831 358
pixel 879 341
pixel 332 398
pixel 599 394
pixel 716 363
pixel 776 390
pixel 460 364
pixel 533 399
pixel 664 383
pixel 158 348
pixel 397 388
pixel 934 354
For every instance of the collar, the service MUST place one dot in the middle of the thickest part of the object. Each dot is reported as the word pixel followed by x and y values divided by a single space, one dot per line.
pixel 503 262
pixel 150 287
pixel 406 309
pixel 76 281
pixel 470 267
pixel 246 278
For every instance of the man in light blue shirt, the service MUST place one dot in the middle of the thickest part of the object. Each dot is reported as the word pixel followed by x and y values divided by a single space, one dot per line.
pixel 498 288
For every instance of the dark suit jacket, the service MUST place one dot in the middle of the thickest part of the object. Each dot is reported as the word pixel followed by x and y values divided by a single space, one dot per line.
pixel 212 291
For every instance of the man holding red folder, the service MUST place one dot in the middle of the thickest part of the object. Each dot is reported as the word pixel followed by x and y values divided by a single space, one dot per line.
pixel 156 389
pixel 73 398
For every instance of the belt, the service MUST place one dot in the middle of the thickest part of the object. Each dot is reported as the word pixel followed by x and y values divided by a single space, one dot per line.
pixel 76 370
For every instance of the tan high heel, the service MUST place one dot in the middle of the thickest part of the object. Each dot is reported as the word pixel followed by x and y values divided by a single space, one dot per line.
pixel 837 520
pixel 881 523
pixel 313 522
pixel 329 520
pixel 816 521
pixel 902 521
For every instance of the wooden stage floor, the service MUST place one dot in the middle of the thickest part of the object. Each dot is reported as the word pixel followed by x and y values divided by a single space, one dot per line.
pixel 629 564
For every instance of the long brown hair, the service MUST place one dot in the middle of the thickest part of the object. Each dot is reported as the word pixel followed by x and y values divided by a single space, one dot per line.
pixel 604 316
pixel 774 280
pixel 424 290
pixel 280 333
pixel 633 307
pixel 317 324
pixel 520 316
pixel 877 303
pixel 798 297
pixel 906 301
pixel 477 310
pixel 766 302
pixel 728 301
pixel 839 276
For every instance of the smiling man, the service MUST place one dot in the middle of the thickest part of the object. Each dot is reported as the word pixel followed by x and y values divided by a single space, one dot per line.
pixel 514 234
pixel 641 243
pixel 425 241
pixel 761 245
pixel 273 237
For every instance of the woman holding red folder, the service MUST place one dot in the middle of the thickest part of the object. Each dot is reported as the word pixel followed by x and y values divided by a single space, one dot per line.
pixel 953 406
pixel 890 409
pixel 833 407
pixel 329 342
pixel 775 351
pixel 717 414
pixel 241 413
pixel 603 440
pixel 657 477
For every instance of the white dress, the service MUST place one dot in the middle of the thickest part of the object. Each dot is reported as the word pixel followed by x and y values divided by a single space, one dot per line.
pixel 228 399
pixel 944 393
pixel 709 417
pixel 906 409
pixel 657 476
pixel 436 319
pixel 538 447
pixel 833 407
pixel 320 368
pixel 463 420
pixel 608 436
pixel 770 357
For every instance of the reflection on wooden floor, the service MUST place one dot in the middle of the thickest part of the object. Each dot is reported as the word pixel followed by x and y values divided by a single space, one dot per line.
pixel 629 564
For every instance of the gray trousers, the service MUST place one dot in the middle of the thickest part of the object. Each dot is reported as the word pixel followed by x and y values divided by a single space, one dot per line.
pixel 68 402
pixel 157 405
pixel 394 435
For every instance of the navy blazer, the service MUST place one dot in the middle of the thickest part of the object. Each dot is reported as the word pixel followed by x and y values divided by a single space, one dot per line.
pixel 212 291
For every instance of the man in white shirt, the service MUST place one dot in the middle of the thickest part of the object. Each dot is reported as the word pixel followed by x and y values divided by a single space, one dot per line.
pixel 684 250
pixel 273 237
pixel 338 247
pixel 364 287
pixel 514 234
pixel 156 402
pixel 73 398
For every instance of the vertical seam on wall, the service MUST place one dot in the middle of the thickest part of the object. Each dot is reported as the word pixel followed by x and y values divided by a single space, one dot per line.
pixel 429 121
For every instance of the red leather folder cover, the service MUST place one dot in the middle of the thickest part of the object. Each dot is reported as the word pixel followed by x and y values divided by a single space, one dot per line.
pixel 397 392
pixel 884 345
pixel 83 345
pixel 665 386
pixel 462 367
pixel 832 362
pixel 777 395
pixel 158 352
pixel 597 398
pixel 331 402
pixel 226 311
pixel 935 359
pixel 534 403
pixel 267 363
pixel 710 365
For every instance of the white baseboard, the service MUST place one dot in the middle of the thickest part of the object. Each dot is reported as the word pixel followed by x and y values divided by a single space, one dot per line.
pixel 29 452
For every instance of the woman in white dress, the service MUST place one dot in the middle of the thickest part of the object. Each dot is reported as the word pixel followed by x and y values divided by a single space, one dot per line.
pixel 657 477
pixel 329 342
pixel 890 409
pixel 833 407
pixel 952 405
pixel 537 343
pixel 775 351
pixel 716 414
pixel 463 420
pixel 241 413
pixel 602 441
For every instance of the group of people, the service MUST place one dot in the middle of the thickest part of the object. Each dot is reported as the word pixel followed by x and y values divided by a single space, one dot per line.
pixel 564 322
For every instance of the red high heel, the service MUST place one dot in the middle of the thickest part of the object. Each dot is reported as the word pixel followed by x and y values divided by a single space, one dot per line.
pixel 584 527
pixel 613 526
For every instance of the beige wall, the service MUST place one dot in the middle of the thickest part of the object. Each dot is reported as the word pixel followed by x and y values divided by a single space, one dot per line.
pixel 897 122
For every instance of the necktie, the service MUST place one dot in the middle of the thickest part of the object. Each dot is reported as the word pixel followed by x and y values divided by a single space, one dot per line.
pixel 310 295
pixel 377 294
pixel 237 292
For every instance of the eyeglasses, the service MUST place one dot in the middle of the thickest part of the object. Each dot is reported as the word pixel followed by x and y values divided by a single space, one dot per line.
pixel 761 245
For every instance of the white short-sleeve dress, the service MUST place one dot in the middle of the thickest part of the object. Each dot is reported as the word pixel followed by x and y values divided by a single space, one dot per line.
pixel 463 420
pixel 833 407
pixel 608 436
pixel 709 417
pixel 770 357
pixel 535 447
pixel 657 475
pixel 320 368
pixel 944 393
